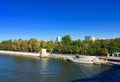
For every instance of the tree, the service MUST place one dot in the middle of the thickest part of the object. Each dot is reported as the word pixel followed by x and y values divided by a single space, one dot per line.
pixel 17 45
pixel 76 50
pixel 66 39
pixel 33 45
pixel 67 45
pixel 91 51
pixel 58 47
pixel 67 42
pixel 24 45
pixel 42 44
pixel 102 51
pixel 7 42
pixel 50 46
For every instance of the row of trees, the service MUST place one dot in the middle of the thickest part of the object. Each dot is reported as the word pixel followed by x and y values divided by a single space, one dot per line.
pixel 67 45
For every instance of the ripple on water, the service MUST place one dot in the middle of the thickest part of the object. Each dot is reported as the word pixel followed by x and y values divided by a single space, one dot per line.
pixel 23 69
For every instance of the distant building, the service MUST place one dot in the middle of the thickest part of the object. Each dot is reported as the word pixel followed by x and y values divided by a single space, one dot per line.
pixel 117 54
pixel 58 39
pixel 113 37
pixel 90 38
pixel 102 38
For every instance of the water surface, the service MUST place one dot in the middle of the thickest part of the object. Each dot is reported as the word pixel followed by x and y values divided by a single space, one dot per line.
pixel 25 69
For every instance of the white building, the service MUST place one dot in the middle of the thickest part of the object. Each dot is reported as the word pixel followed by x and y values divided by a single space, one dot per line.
pixel 58 39
pixel 116 54
pixel 44 53
pixel 90 38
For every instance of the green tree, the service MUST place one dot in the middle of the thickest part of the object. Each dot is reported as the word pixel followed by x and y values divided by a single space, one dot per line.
pixel 33 45
pixel 50 46
pixel 102 51
pixel 43 44
pixel 58 47
pixel 67 42
pixel 66 39
pixel 7 42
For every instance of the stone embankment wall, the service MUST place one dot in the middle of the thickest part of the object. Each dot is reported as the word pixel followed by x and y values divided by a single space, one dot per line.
pixel 61 56
pixel 19 53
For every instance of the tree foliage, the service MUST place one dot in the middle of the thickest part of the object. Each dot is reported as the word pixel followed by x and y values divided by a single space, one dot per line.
pixel 66 39
pixel 67 45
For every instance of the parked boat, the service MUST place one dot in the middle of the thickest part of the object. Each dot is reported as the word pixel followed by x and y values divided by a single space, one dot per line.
pixel 83 59
pixel 115 64
pixel 109 63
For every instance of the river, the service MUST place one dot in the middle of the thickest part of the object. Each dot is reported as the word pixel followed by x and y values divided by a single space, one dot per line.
pixel 27 69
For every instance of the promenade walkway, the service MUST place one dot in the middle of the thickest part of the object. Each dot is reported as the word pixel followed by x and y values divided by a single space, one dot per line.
pixel 110 58
pixel 62 56
pixel 19 53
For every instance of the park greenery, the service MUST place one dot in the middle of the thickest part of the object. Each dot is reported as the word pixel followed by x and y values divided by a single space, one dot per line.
pixel 66 46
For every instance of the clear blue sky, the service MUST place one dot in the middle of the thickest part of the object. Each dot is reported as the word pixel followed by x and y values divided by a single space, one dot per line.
pixel 47 19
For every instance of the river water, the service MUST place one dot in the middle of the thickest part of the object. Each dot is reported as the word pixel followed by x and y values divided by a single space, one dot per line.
pixel 26 69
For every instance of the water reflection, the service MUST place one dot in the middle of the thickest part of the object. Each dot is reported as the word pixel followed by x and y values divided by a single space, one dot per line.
pixel 44 63
pixel 25 69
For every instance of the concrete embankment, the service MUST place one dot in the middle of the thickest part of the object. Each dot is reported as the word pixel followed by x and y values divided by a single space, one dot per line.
pixel 57 56
pixel 82 59
pixel 46 55
pixel 111 61
pixel 19 53
pixel 61 56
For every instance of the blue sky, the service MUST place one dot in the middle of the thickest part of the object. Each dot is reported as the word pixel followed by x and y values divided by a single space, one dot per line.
pixel 47 19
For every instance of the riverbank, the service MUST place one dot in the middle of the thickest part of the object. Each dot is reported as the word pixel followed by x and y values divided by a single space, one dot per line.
pixel 62 56
pixel 72 58
pixel 56 56
pixel 19 53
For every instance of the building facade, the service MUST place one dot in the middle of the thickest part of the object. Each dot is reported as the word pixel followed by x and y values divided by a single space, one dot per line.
pixel 58 39
pixel 90 38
